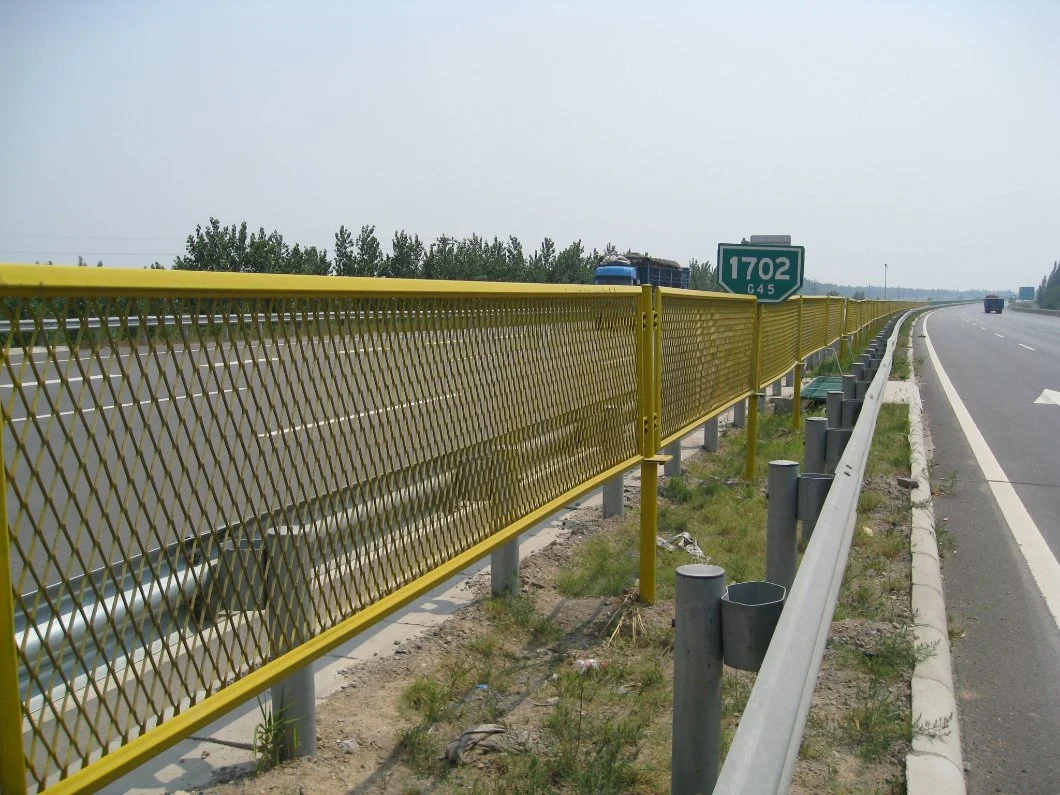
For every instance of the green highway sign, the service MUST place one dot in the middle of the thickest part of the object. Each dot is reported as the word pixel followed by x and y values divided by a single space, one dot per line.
pixel 770 273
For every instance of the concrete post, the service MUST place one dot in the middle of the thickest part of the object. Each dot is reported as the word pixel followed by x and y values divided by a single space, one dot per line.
pixel 761 402
pixel 710 435
pixel 834 408
pixel 504 569
pixel 696 748
pixel 859 371
pixel 813 456
pixel 672 468
pixel 782 523
pixel 775 388
pixel 614 497
pixel 289 595
pixel 739 414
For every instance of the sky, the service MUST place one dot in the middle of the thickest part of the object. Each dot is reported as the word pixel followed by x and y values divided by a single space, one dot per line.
pixel 924 135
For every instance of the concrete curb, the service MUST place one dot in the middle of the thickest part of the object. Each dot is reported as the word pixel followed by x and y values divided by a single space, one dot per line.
pixel 935 766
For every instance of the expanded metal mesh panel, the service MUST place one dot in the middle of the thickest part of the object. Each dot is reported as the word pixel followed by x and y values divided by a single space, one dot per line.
pixel 198 485
pixel 780 328
pixel 814 324
pixel 853 316
pixel 836 309
pixel 706 355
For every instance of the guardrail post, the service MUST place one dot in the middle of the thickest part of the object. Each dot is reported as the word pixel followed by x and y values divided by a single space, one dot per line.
pixel 710 435
pixel 672 468
pixel 12 754
pixel 782 523
pixel 288 567
pixel 696 747
pixel 813 490
pixel 834 408
pixel 850 387
pixel 739 414
pixel 813 455
pixel 614 496
pixel 504 569
pixel 835 442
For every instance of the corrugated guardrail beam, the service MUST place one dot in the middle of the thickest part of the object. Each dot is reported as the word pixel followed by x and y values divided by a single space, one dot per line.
pixel 765 748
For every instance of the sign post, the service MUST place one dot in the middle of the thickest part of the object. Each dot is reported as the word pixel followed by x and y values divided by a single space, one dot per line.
pixel 771 273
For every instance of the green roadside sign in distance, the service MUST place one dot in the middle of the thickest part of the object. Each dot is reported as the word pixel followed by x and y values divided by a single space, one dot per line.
pixel 769 273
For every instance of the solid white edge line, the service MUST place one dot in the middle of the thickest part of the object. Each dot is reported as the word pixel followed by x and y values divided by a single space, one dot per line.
pixel 1040 560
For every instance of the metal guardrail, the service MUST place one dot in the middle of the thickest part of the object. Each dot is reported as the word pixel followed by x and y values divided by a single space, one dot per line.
pixel 401 430
pixel 764 750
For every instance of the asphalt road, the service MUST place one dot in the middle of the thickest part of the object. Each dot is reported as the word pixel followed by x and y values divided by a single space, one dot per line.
pixel 1007 664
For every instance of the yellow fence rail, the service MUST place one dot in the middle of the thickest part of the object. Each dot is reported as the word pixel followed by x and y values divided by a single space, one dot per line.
pixel 210 480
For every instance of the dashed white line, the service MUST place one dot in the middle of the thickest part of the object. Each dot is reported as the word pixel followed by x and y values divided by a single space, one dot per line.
pixel 999 335
pixel 1040 560
pixel 243 361
pixel 72 379
pixel 1028 347
pixel 135 403
pixel 335 420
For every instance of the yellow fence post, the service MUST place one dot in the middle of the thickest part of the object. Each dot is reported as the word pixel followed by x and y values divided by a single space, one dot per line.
pixel 752 403
pixel 796 398
pixel 12 754
pixel 649 467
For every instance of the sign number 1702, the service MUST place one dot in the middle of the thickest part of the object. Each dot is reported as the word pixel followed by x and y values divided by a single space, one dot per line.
pixel 767 269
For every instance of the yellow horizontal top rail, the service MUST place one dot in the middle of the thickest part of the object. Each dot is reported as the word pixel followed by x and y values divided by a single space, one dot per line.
pixel 59 280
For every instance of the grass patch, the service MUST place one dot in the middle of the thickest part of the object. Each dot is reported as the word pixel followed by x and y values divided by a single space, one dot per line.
pixel 900 367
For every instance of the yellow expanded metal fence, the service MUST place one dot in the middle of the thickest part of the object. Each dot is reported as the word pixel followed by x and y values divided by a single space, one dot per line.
pixel 706 355
pixel 210 480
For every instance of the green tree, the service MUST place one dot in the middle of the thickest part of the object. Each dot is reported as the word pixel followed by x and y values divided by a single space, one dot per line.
pixel 344 252
pixel 1049 291
pixel 368 254
pixel 406 258
pixel 702 276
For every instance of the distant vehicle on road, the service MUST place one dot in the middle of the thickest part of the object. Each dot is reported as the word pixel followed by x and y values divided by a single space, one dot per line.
pixel 635 269
pixel 992 303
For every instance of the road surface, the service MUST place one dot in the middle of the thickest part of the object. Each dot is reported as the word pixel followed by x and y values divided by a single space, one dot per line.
pixel 1003 581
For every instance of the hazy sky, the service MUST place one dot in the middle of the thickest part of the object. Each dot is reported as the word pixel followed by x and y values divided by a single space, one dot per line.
pixel 921 134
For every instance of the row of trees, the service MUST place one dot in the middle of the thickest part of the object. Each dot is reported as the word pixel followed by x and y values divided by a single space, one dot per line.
pixel 1048 296
pixel 231 249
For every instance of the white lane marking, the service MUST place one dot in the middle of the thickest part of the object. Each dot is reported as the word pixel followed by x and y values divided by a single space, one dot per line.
pixel 1028 347
pixel 243 361
pixel 1040 560
pixel 72 379
pixel 999 335
pixel 1049 396
pixel 135 403
pixel 335 420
